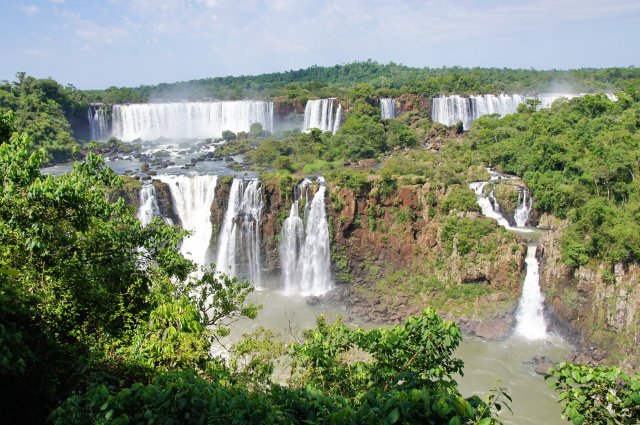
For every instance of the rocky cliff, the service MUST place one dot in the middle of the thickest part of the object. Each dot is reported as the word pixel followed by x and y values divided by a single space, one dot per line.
pixel 400 254
pixel 597 305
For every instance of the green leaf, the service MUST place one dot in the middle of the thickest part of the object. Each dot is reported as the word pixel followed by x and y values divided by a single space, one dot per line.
pixel 394 416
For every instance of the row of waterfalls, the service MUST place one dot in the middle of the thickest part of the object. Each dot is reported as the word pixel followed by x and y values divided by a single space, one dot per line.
pixel 449 110
pixel 531 323
pixel 201 120
pixel 237 249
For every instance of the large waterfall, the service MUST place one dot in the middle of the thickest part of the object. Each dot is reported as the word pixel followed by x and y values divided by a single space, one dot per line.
pixel 192 196
pixel 387 108
pixel 148 204
pixel 449 110
pixel 530 318
pixel 324 114
pixel 240 232
pixel 98 123
pixel 188 120
pixel 305 249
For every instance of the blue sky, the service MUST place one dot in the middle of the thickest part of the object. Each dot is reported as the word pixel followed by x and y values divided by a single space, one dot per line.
pixel 97 44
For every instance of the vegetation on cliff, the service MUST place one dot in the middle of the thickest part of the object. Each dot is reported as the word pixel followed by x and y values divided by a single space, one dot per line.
pixel 45 110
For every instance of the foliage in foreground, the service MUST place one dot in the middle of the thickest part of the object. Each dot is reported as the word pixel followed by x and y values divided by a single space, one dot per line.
pixel 597 395
pixel 398 375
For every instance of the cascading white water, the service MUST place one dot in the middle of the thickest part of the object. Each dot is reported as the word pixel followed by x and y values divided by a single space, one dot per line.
pixel 547 99
pixel 98 126
pixel 338 120
pixel 292 240
pixel 387 108
pixel 488 203
pixel 324 114
pixel 240 232
pixel 188 120
pixel 192 196
pixel 523 211
pixel 148 204
pixel 490 207
pixel 304 250
pixel 529 317
pixel 449 110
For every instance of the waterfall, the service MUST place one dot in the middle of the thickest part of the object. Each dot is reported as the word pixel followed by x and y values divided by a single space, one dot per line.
pixel 547 99
pixel 148 204
pixel 292 240
pixel 192 196
pixel 240 232
pixel 98 126
pixel 387 108
pixel 490 207
pixel 324 114
pixel 305 250
pixel 522 212
pixel 338 121
pixel 449 110
pixel 189 120
pixel 530 318
pixel 488 203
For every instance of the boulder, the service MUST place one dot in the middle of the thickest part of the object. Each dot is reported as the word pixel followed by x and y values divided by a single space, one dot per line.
pixel 493 329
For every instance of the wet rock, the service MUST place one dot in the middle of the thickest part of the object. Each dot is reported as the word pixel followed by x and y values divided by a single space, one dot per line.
pixel 543 368
pixel 493 329
pixel 144 167
pixel 598 355
pixel 313 300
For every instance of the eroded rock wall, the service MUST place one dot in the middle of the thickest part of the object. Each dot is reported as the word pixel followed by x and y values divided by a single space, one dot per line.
pixel 597 305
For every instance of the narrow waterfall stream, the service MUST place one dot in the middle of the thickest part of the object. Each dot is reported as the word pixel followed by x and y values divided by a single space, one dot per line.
pixel 523 211
pixel 530 318
pixel 387 108
pixel 148 207
pixel 304 249
pixel 239 239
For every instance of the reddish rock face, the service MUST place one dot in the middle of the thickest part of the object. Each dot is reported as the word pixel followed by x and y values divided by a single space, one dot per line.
pixel 283 107
pixel 410 102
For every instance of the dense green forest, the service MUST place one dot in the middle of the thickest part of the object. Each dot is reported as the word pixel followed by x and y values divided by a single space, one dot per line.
pixel 388 80
pixel 46 111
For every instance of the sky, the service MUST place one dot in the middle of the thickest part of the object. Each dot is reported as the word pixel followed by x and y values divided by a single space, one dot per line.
pixel 95 44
